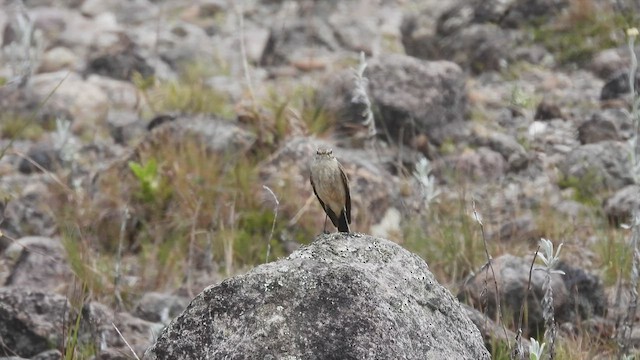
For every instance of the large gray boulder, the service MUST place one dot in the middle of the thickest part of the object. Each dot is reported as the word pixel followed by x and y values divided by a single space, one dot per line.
pixel 344 296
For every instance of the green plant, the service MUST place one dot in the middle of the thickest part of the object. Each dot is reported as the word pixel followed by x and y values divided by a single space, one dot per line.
pixel 189 94
pixel 149 179
pixel 577 39
pixel 585 188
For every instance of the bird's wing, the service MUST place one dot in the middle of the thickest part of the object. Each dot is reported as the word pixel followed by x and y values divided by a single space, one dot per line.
pixel 347 204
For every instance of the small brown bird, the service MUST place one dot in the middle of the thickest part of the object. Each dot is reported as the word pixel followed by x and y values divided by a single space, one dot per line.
pixel 331 186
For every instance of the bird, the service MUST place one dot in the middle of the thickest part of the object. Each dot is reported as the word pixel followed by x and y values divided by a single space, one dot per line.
pixel 331 186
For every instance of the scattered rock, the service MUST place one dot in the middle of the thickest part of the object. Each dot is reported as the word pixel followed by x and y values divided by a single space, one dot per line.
pixel 59 58
pixel 86 103
pixel 605 165
pixel 618 85
pixel 28 212
pixel 522 229
pixel 620 206
pixel 38 263
pixel 576 296
pixel 301 40
pixel 609 62
pixel 120 65
pixel 122 95
pixel 417 97
pixel 31 321
pixel 41 157
pixel 548 110
pixel 510 149
pixel 344 96
pixel 482 164
pixel 608 124
pixel 98 328
pixel 160 308
pixel 353 295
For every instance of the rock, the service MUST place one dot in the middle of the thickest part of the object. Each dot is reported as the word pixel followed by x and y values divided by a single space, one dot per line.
pixel 41 157
pixel 358 33
pixel 418 97
pixel 576 296
pixel 301 41
pixel 97 323
pixel 507 146
pixel 609 62
pixel 619 207
pixel 38 263
pixel 59 58
pixel 352 295
pixel 609 124
pixel 31 321
pixel 120 64
pixel 160 308
pixel 125 126
pixel 45 355
pixel 587 298
pixel 86 103
pixel 603 165
pixel 122 95
pixel 482 164
pixel 522 229
pixel 618 85
pixel 548 110
pixel 492 332
pixel 345 98
pixel 28 213
pixel 478 35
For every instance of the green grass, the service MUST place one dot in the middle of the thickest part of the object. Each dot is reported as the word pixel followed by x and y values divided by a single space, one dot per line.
pixel 577 40
pixel 189 94
pixel 17 127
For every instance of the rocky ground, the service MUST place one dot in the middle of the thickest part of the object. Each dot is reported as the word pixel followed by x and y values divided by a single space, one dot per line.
pixel 149 149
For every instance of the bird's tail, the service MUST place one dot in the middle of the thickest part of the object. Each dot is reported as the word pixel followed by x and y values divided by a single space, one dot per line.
pixel 343 225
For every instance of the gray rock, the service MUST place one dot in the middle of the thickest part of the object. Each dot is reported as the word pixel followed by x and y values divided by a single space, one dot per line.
pixel 609 62
pixel 59 58
pixel 38 263
pixel 609 124
pixel 617 86
pixel 344 97
pixel 576 296
pixel 344 296
pixel 417 97
pixel 506 145
pixel 86 103
pixel 299 39
pixel 548 110
pixel 482 164
pixel 98 328
pixel 604 165
pixel 521 229
pixel 157 307
pixel 28 213
pixel 30 321
pixel 620 206
pixel 41 157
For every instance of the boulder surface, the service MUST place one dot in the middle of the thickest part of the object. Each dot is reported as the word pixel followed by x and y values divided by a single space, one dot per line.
pixel 344 296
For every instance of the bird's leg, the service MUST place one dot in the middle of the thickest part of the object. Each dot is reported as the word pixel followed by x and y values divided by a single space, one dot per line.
pixel 325 224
